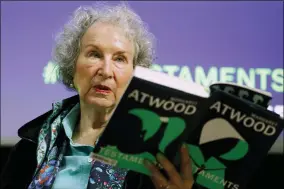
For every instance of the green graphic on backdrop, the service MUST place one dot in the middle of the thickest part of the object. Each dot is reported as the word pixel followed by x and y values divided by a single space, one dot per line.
pixel 50 76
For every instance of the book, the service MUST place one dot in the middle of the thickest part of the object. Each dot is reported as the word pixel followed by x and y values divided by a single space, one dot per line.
pixel 249 94
pixel 234 133
pixel 154 115
pixel 227 128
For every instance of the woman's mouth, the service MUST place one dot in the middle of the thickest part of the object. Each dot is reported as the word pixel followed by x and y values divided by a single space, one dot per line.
pixel 103 89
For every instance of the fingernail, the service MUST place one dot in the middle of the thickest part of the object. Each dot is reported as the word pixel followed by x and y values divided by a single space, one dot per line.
pixel 184 148
pixel 160 156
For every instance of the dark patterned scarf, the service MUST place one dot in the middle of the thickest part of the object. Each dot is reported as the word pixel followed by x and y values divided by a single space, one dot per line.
pixel 52 144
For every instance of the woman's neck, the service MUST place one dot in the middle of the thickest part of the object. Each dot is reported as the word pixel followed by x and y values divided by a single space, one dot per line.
pixel 91 124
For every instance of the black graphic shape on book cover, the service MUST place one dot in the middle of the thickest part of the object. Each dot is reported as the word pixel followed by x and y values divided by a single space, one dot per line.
pixel 155 132
pixel 213 165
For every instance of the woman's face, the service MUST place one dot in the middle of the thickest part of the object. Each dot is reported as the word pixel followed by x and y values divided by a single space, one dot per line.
pixel 104 65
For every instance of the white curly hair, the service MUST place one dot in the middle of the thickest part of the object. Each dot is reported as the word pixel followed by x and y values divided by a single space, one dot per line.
pixel 67 42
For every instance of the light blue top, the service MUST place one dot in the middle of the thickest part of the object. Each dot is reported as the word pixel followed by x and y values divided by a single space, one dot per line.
pixel 76 166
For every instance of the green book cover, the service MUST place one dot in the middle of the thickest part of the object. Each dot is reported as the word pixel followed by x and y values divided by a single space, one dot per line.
pixel 154 115
pixel 232 137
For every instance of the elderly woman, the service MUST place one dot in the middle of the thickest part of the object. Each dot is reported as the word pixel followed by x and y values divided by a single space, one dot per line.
pixel 96 53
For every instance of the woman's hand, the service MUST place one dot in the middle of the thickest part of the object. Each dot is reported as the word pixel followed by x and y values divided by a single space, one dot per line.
pixel 183 180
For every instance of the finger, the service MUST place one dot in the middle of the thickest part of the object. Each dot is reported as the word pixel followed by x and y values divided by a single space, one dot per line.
pixel 172 173
pixel 157 184
pixel 167 186
pixel 186 166
pixel 157 178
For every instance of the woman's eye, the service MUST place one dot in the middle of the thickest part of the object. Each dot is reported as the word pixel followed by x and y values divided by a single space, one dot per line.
pixel 120 59
pixel 94 54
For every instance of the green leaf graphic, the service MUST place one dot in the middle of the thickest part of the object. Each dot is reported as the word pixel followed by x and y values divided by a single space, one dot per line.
pixel 150 121
pixel 238 152
pixel 174 128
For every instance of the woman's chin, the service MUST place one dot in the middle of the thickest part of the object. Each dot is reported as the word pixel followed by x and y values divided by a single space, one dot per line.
pixel 101 102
